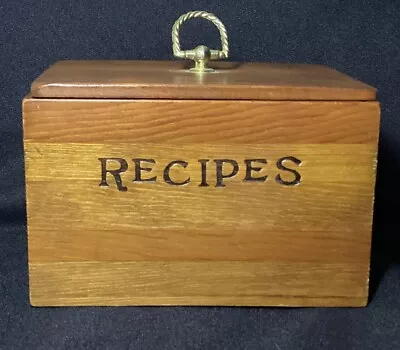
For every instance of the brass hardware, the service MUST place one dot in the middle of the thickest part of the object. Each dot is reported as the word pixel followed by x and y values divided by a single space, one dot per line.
pixel 201 54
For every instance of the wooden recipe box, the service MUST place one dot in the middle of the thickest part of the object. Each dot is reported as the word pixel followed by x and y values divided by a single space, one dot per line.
pixel 148 184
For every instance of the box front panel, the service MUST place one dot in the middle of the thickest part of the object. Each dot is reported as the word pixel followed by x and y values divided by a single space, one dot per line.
pixel 199 202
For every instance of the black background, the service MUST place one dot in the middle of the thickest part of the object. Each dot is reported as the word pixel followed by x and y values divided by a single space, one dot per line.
pixel 360 38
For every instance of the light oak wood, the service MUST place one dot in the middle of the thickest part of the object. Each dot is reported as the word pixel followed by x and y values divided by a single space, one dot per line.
pixel 249 243
pixel 199 283
pixel 321 163
pixel 340 216
pixel 62 245
pixel 172 80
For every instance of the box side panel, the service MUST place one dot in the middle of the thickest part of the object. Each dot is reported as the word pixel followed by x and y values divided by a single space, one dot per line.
pixel 199 202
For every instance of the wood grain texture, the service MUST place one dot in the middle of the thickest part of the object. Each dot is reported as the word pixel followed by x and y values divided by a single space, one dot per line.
pixel 257 243
pixel 172 80
pixel 62 245
pixel 198 283
pixel 320 162
pixel 206 122
pixel 236 212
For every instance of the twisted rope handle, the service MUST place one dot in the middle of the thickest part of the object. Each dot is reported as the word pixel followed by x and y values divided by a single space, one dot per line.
pixel 215 54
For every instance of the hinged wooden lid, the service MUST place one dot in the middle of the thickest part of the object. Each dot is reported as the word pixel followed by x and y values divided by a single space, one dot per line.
pixel 172 80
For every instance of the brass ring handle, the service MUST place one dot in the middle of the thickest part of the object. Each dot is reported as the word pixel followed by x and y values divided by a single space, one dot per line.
pixel 201 54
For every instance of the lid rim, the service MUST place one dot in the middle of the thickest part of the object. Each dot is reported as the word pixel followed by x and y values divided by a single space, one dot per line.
pixel 244 81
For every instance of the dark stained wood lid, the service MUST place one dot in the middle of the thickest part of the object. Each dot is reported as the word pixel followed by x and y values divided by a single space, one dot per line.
pixel 172 80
